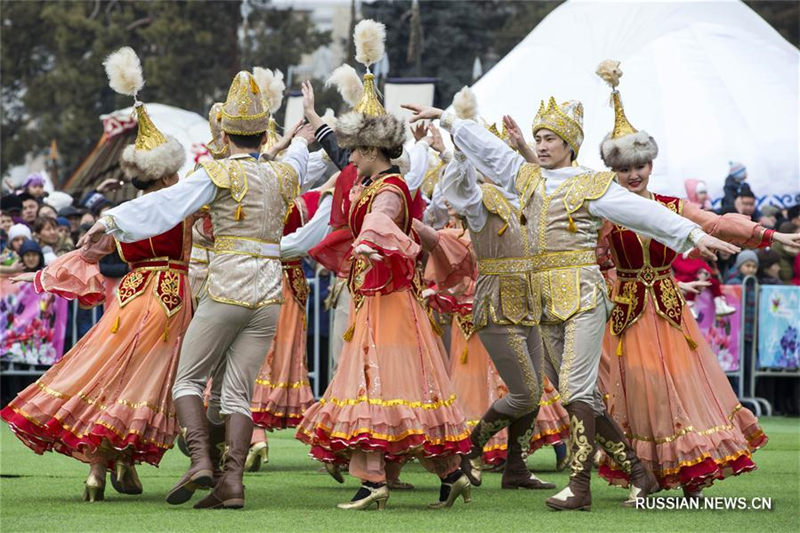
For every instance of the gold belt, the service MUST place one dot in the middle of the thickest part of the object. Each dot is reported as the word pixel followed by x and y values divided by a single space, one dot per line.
pixel 537 263
pixel 647 274
pixel 231 244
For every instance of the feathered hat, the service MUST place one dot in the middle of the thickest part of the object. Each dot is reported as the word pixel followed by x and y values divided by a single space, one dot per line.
pixel 153 155
pixel 346 80
pixel 368 124
pixel 565 120
pixel 243 112
pixel 216 147
pixel 272 87
pixel 624 146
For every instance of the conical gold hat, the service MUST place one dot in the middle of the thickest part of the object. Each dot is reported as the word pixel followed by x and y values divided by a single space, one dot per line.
pixel 243 112
pixel 369 104
pixel 148 136
pixel 565 120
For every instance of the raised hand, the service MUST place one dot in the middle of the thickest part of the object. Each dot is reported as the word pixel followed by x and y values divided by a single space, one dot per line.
pixel 422 112
pixel 708 245
pixel 436 141
pixel 418 131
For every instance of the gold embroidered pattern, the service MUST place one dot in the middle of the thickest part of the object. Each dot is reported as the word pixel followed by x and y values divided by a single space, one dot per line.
pixel 131 286
pixel 496 203
pixel 566 361
pixel 529 376
pixel 564 292
pixel 528 179
pixel 238 180
pixel 389 403
pixel 537 263
pixel 579 446
pixel 587 187
pixel 513 297
pixel 217 172
pixel 617 452
pixel 168 291
pixel 289 182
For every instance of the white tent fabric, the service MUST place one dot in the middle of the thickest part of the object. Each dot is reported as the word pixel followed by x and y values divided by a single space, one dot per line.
pixel 189 128
pixel 710 80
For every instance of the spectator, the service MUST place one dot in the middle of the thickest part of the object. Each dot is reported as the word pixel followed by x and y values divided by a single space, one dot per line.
pixel 94 202
pixel 74 216
pixel 6 221
pixel 745 204
pixel 786 254
pixel 65 243
pixel 769 267
pixel 687 270
pixel 746 265
pixel 793 215
pixel 32 257
pixel 769 216
pixel 10 262
pixel 697 193
pixel 11 204
pixel 34 186
pixel 47 211
pixel 737 173
pixel 45 229
pixel 30 207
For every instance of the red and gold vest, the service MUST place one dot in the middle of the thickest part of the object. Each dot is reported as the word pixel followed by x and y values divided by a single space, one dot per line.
pixel 644 269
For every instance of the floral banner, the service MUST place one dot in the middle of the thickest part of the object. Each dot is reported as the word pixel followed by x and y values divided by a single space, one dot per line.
pixel 722 333
pixel 778 323
pixel 32 325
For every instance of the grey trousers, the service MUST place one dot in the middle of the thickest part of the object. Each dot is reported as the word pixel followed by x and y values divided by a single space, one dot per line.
pixel 572 356
pixel 517 354
pixel 230 338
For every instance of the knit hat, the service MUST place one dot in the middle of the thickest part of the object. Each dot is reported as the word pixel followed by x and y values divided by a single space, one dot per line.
pixel 29 245
pixel 19 230
pixel 737 170
pixel 63 222
pixel 770 210
pixel 10 202
pixel 34 179
pixel 745 256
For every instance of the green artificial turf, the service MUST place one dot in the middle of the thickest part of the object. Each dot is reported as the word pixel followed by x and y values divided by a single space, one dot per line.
pixel 43 493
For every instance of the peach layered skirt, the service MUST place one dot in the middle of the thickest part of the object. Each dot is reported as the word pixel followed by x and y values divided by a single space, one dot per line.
pixel 676 405
pixel 391 392
pixel 282 392
pixel 113 390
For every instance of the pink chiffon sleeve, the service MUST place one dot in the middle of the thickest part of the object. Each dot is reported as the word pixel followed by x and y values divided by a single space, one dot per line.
pixel 381 232
pixel 732 227
pixel 76 275
pixel 450 262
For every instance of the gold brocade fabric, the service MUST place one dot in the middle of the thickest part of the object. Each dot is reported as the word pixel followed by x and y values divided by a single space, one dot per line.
pixel 247 214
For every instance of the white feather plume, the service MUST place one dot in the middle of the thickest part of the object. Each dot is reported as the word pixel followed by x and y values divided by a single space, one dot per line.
pixel 329 118
pixel 465 104
pixel 346 80
pixel 370 39
pixel 124 71
pixel 271 85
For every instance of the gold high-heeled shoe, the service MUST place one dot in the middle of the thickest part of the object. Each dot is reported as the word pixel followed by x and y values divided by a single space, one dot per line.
pixel 460 487
pixel 94 489
pixel 379 496
pixel 124 478
pixel 258 454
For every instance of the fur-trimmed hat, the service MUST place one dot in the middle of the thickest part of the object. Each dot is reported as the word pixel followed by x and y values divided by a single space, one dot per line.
pixel 357 129
pixel 153 155
pixel 624 146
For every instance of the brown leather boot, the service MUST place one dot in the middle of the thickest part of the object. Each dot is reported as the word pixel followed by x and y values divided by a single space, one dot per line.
pixel 578 495
pixel 228 493
pixel 612 440
pixel 516 474
pixel 491 422
pixel 216 447
pixel 192 416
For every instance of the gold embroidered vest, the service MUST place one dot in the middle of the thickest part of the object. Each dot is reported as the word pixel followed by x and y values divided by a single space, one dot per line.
pixel 502 290
pixel 564 276
pixel 247 217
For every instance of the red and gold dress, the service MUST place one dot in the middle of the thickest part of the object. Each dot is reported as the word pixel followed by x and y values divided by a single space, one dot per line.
pixel 391 393
pixel 663 383
pixel 282 392
pixel 113 391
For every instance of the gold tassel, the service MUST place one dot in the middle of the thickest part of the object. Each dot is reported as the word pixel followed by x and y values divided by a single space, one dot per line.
pixel 166 332
pixel 115 327
pixel 239 214
pixel 690 342
pixel 464 353
pixel 572 226
pixel 503 229
pixel 619 347
pixel 348 335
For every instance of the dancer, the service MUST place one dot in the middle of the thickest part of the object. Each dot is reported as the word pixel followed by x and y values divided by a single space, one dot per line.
pixel 557 279
pixel 108 401
pixel 665 387
pixel 238 312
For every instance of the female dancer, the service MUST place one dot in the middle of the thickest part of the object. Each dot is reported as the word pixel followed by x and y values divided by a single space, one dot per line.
pixel 390 398
pixel 664 385
pixel 108 401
